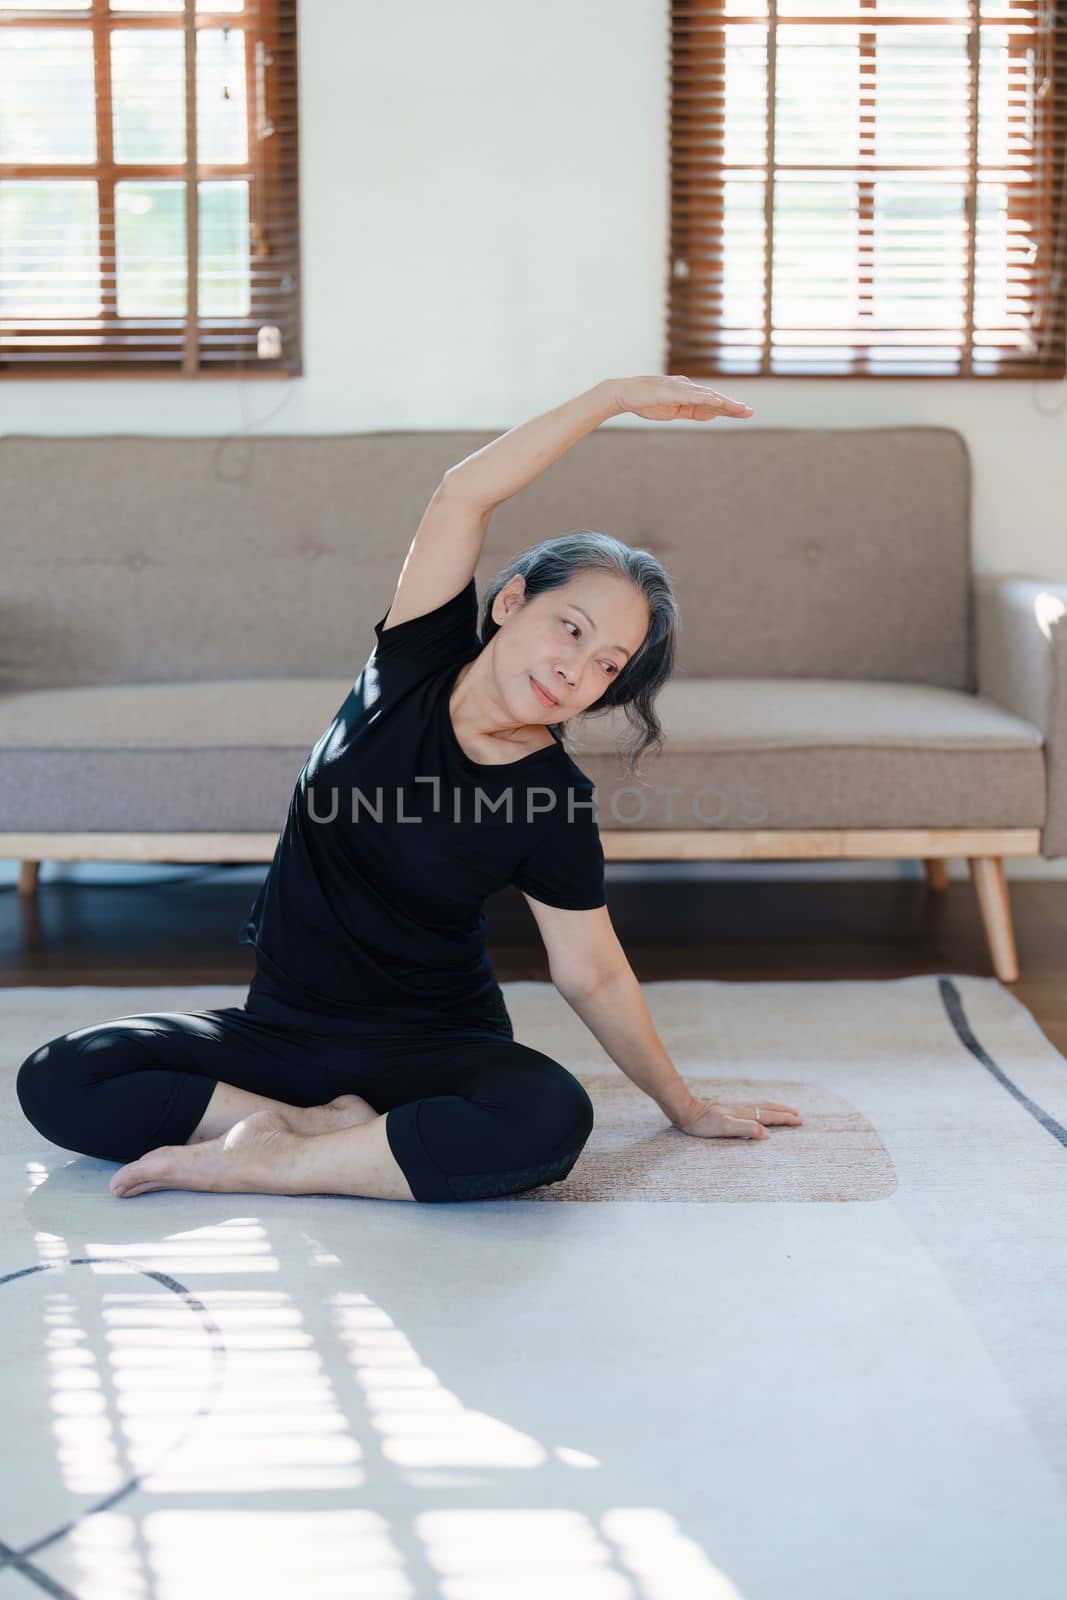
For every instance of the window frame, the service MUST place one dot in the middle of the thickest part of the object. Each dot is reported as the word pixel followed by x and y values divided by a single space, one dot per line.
pixel 271 171
pixel 696 327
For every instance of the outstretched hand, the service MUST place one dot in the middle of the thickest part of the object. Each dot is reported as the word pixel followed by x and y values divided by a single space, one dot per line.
pixel 737 1119
pixel 668 399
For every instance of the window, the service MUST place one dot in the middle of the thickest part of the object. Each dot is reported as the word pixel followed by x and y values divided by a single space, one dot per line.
pixel 868 188
pixel 148 189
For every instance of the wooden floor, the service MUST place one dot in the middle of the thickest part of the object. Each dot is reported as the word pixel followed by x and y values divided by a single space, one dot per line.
pixel 184 931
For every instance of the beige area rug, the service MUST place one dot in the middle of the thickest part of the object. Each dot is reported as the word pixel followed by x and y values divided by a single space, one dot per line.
pixel 920 1070
pixel 935 1073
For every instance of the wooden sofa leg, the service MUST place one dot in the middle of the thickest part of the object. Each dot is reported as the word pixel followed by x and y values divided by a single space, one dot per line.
pixel 936 873
pixel 29 872
pixel 991 887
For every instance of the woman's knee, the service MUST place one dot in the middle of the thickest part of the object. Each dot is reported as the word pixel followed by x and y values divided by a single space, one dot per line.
pixel 52 1081
pixel 575 1102
pixel 549 1124
pixel 549 1110
pixel 44 1083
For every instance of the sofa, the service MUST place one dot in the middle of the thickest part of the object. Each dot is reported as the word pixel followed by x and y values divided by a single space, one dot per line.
pixel 182 616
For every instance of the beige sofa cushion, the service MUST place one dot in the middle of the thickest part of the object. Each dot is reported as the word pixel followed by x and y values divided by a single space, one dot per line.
pixel 797 713
pixel 740 753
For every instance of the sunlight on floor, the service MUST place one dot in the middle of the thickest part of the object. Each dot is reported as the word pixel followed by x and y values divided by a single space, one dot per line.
pixel 227 1394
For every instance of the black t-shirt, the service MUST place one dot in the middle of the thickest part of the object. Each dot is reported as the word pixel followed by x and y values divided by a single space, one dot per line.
pixel 395 838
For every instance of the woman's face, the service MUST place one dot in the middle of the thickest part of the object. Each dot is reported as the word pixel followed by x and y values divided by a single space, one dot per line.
pixel 573 641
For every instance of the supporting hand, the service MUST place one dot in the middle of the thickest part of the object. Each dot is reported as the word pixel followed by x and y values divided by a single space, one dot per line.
pixel 666 399
pixel 737 1120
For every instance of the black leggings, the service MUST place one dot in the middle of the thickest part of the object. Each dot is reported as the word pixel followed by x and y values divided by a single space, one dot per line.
pixel 471 1112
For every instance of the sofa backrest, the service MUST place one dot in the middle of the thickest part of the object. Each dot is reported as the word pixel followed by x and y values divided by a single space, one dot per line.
pixel 795 552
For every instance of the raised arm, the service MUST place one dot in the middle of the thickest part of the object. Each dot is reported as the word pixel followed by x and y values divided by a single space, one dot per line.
pixel 506 465
pixel 442 556
pixel 448 542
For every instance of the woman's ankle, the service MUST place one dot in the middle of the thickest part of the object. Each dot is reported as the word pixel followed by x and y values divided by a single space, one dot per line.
pixel 229 1105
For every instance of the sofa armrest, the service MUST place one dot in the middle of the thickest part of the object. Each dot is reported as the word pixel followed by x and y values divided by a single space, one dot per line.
pixel 1022 665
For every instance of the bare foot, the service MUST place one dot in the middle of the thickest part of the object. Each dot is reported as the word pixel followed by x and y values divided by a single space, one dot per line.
pixel 346 1111
pixel 255 1156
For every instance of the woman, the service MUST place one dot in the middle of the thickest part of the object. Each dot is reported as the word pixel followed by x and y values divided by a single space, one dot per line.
pixel 374 1054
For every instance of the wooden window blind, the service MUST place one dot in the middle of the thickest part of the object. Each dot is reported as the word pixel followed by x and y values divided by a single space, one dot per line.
pixel 867 188
pixel 148 189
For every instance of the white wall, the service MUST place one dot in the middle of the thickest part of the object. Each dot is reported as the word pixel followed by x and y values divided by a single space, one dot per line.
pixel 484 216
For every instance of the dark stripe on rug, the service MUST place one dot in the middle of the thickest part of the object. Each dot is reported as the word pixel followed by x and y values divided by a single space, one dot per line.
pixel 950 997
pixel 10 1557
